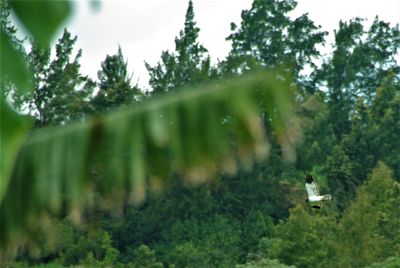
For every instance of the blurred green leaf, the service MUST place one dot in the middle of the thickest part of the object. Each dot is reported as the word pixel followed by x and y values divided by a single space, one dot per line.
pixel 42 18
pixel 13 66
pixel 12 135
pixel 207 129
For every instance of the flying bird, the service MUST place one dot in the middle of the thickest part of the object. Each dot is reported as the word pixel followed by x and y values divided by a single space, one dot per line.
pixel 313 193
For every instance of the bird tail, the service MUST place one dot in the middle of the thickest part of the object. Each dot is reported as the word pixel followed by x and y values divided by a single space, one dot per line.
pixel 327 197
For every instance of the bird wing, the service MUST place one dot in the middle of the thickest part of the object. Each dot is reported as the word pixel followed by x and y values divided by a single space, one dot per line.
pixel 312 189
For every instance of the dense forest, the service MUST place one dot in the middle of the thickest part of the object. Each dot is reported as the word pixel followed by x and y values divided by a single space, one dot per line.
pixel 345 131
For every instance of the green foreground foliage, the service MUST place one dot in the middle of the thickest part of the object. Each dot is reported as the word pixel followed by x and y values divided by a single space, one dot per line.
pixel 73 208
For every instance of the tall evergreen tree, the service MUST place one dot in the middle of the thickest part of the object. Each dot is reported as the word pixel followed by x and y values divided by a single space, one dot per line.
pixel 375 133
pixel 61 93
pixel 319 138
pixel 189 63
pixel 360 144
pixel 269 37
pixel 370 224
pixel 360 60
pixel 339 174
pixel 385 113
pixel 115 84
pixel 305 240
pixel 374 136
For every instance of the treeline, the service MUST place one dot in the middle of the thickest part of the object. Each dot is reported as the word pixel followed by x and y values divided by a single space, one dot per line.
pixel 348 102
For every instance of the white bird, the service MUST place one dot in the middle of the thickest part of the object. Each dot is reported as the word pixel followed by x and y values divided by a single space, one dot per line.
pixel 313 192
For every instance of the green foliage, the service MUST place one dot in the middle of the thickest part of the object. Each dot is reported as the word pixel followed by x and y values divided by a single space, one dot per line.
pixel 214 242
pixel 92 248
pixel 143 256
pixel 11 139
pixel 90 170
pixel 110 253
pixel 374 136
pixel 340 179
pixel 319 138
pixel 208 220
pixel 42 19
pixel 370 223
pixel 7 28
pixel 12 51
pixel 17 71
pixel 385 113
pixel 115 87
pixel 14 73
pixel 391 262
pixel 189 64
pixel 306 239
pixel 49 265
pixel 254 226
pixel 13 69
pixel 359 62
pixel 269 37
pixel 158 146
pixel 12 136
pixel 264 263
pixel 25 265
pixel 60 92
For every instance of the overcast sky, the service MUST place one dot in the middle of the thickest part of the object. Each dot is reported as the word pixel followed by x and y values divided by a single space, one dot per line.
pixel 143 28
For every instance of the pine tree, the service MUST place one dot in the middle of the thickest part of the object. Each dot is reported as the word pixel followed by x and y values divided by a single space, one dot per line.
pixel 385 113
pixel 60 92
pixel 305 240
pixel 268 37
pixel 370 224
pixel 360 61
pixel 360 144
pixel 319 139
pixel 339 175
pixel 115 85
pixel 189 63
pixel 375 131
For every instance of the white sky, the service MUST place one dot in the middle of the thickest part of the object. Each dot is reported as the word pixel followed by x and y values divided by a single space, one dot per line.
pixel 144 28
